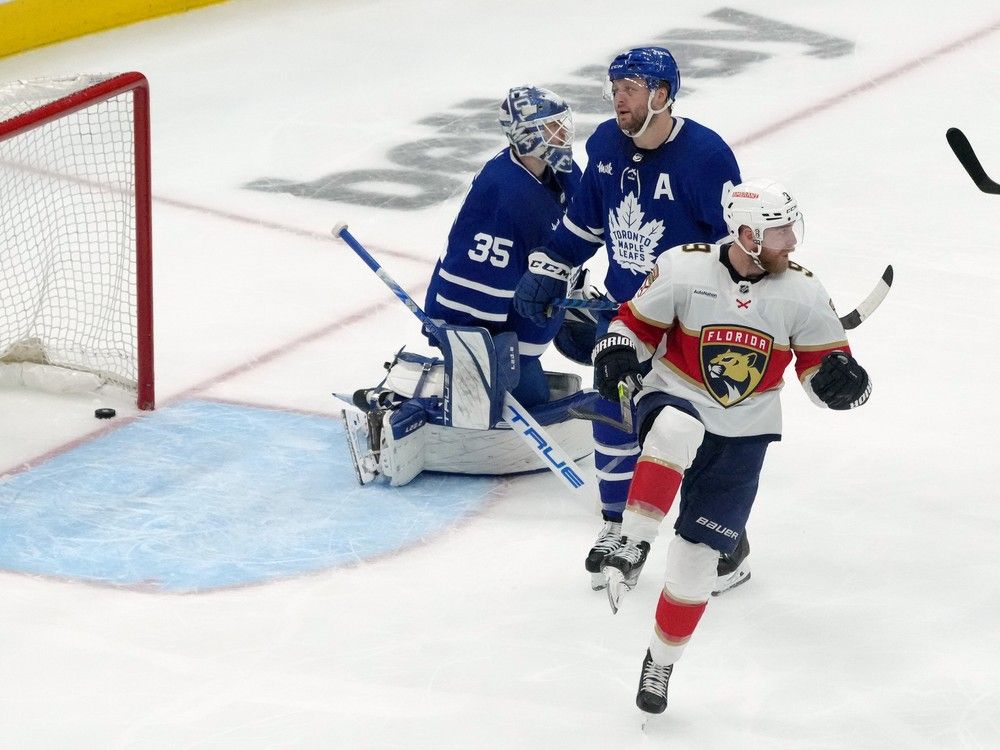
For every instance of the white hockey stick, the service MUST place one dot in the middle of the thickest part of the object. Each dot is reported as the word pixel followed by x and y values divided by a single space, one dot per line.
pixel 519 419
pixel 854 318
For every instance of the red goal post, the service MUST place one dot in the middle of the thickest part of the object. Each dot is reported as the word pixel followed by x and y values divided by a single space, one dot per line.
pixel 76 229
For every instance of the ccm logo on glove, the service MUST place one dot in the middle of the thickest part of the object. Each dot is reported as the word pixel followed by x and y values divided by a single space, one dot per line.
pixel 541 263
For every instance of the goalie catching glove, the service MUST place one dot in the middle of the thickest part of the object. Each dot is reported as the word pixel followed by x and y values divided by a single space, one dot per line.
pixel 841 383
pixel 615 361
pixel 546 280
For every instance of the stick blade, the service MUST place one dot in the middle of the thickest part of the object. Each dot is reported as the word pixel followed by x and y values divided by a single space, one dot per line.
pixel 856 316
pixel 967 158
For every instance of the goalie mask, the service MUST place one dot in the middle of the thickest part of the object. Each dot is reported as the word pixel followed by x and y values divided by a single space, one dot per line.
pixel 771 213
pixel 538 123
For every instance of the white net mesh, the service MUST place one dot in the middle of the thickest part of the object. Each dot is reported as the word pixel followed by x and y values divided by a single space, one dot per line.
pixel 68 232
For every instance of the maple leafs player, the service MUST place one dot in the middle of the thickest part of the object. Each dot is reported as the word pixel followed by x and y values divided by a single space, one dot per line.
pixel 511 207
pixel 653 181
pixel 720 323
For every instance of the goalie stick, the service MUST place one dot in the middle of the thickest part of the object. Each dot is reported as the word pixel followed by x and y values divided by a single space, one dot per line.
pixel 968 159
pixel 520 420
pixel 850 321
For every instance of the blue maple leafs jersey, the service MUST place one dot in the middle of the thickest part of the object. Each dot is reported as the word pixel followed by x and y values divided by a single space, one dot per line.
pixel 507 213
pixel 638 202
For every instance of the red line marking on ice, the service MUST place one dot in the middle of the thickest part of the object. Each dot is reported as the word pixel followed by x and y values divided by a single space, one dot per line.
pixel 867 86
pixel 803 114
pixel 280 351
pixel 264 223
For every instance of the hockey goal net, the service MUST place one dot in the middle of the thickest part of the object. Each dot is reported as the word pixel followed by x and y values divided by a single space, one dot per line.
pixel 75 230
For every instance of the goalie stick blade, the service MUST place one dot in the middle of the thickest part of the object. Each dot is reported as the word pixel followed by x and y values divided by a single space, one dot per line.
pixel 854 318
pixel 968 159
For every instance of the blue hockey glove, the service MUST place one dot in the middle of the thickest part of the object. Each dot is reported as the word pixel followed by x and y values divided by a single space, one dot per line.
pixel 841 383
pixel 615 361
pixel 546 279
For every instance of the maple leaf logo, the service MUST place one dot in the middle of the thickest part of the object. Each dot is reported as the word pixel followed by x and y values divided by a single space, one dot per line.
pixel 633 243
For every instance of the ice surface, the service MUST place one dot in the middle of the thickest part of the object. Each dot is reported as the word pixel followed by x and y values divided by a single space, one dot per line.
pixel 871 618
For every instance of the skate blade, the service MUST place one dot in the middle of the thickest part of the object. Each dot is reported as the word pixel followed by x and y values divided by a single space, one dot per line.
pixel 731 586
pixel 598 582
pixel 616 588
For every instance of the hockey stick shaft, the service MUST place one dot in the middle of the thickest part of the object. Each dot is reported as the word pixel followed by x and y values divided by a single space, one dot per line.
pixel 852 320
pixel 626 390
pixel 968 159
pixel 519 419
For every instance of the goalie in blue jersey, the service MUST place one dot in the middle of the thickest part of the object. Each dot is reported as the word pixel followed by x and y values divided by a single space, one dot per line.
pixel 413 421
pixel 653 181
pixel 512 206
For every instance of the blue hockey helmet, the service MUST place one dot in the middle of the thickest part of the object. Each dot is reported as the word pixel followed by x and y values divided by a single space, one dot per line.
pixel 538 123
pixel 651 65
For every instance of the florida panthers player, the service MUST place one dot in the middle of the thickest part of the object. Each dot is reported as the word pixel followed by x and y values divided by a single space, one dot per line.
pixel 721 323
pixel 653 181
pixel 512 206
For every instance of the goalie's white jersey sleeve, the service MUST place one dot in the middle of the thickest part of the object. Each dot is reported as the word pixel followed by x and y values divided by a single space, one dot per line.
pixel 723 342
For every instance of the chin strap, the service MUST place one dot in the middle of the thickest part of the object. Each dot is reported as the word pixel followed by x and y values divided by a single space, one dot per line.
pixel 649 115
pixel 754 256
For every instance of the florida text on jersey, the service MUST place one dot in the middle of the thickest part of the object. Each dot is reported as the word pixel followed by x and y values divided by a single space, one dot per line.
pixel 729 339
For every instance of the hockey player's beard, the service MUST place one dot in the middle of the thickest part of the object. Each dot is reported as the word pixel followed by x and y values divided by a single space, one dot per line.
pixel 630 122
pixel 774 263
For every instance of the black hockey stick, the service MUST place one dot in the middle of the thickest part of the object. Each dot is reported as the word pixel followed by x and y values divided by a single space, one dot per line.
pixel 968 159
pixel 852 320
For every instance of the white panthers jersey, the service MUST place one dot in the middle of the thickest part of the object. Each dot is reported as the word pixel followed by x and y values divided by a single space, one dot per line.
pixel 723 342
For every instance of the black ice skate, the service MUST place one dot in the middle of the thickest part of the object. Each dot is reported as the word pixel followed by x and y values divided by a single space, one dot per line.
pixel 608 541
pixel 733 569
pixel 622 570
pixel 652 695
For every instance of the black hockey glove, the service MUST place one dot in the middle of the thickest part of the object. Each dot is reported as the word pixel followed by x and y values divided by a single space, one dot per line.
pixel 546 279
pixel 615 360
pixel 841 383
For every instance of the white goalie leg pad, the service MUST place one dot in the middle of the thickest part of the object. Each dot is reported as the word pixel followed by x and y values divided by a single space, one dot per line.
pixel 689 578
pixel 403 445
pixel 470 399
pixel 418 377
pixel 673 441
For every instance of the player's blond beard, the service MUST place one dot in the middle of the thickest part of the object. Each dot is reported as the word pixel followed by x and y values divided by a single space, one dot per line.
pixel 775 264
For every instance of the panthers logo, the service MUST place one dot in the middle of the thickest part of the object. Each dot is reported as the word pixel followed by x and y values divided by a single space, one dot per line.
pixel 733 361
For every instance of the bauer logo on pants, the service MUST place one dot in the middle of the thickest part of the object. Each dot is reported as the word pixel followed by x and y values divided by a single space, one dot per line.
pixel 733 361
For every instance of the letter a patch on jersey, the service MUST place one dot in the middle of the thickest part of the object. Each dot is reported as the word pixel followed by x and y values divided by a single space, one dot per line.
pixel 733 361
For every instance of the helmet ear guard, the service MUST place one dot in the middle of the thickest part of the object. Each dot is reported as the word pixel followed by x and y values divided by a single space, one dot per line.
pixel 538 123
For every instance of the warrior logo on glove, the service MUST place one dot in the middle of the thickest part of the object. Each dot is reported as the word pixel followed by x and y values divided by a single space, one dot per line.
pixel 733 361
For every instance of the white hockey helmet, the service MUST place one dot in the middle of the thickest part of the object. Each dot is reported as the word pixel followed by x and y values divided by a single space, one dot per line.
pixel 762 205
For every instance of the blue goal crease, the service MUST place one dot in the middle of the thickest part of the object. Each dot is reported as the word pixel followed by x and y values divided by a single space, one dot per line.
pixel 205 494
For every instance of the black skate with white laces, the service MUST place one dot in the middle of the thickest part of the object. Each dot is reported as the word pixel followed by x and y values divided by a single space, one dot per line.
pixel 622 570
pixel 610 540
pixel 652 695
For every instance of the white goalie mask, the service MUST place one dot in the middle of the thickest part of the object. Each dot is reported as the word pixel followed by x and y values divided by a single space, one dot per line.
pixel 769 210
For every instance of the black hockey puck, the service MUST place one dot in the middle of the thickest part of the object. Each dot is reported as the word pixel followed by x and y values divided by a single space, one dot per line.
pixel 104 413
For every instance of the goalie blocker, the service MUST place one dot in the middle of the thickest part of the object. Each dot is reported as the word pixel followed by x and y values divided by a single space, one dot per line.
pixel 445 414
